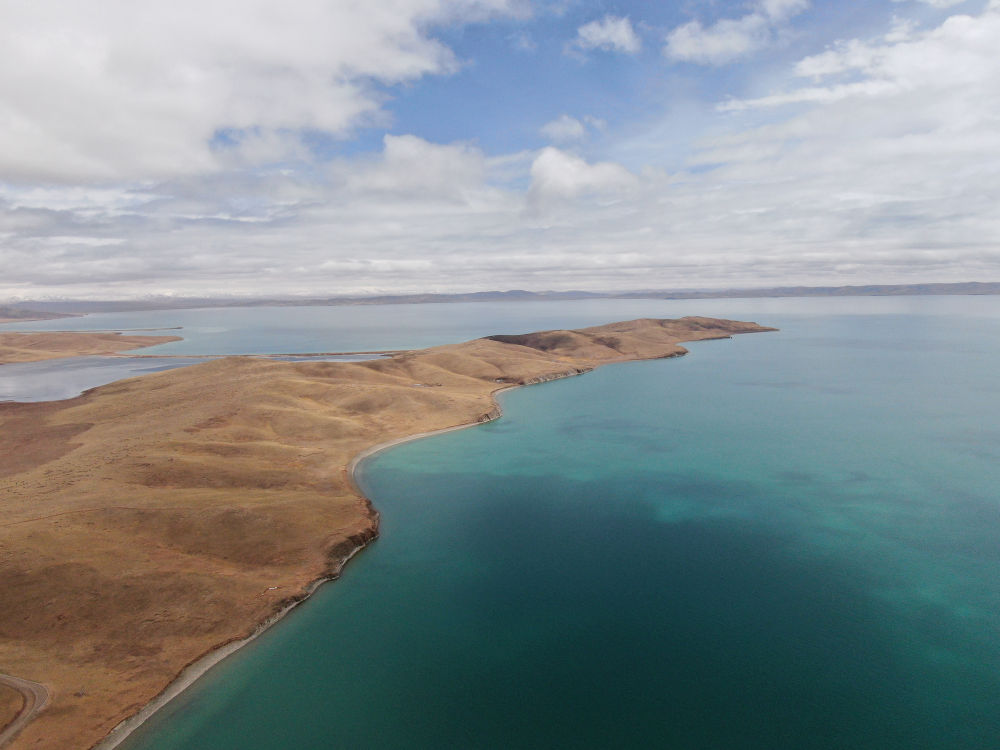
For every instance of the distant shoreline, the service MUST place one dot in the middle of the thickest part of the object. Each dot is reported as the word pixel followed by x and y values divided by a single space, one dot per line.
pixel 76 308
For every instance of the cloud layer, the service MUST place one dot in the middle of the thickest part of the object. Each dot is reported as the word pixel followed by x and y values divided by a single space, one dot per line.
pixel 145 89
pixel 871 161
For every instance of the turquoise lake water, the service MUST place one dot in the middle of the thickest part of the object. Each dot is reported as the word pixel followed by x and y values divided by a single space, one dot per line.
pixel 273 330
pixel 784 540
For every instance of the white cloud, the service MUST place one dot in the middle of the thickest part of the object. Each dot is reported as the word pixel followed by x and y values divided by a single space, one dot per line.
pixel 781 10
pixel 414 168
pixel 731 38
pixel 883 171
pixel 564 129
pixel 726 40
pixel 935 3
pixel 611 33
pixel 886 159
pixel 955 62
pixel 559 174
pixel 568 129
pixel 139 89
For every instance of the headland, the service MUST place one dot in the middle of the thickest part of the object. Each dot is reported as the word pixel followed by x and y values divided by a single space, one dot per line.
pixel 152 521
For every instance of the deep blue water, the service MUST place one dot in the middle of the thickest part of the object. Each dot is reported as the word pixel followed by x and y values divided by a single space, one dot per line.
pixel 785 540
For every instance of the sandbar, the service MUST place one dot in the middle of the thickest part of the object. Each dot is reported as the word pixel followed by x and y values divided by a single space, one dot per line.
pixel 150 522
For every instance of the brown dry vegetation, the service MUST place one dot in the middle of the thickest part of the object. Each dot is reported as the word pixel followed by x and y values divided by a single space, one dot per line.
pixel 154 519
pixel 11 702
pixel 33 347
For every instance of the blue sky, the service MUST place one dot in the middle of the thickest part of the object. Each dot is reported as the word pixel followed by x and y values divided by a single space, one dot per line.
pixel 515 75
pixel 223 147
pixel 503 94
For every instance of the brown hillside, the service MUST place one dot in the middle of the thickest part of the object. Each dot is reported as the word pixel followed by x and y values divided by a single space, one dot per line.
pixel 151 520
pixel 33 347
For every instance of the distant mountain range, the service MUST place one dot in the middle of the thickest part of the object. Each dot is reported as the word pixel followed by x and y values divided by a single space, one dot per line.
pixel 873 290
pixel 58 308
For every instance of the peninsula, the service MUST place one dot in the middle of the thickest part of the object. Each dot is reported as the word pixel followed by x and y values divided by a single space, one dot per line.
pixel 151 521
pixel 34 347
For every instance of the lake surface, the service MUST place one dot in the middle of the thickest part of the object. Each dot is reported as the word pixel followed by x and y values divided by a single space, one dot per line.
pixel 299 330
pixel 57 379
pixel 784 540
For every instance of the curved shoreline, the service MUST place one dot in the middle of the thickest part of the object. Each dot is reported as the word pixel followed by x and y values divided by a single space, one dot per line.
pixel 494 414
pixel 201 666
pixel 474 372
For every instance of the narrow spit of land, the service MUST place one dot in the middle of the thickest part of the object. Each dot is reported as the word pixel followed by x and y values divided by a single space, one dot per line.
pixel 35 347
pixel 151 521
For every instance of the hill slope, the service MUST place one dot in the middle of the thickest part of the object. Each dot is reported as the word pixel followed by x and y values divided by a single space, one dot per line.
pixel 154 519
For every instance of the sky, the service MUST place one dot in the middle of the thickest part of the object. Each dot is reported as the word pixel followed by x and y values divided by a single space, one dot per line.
pixel 241 148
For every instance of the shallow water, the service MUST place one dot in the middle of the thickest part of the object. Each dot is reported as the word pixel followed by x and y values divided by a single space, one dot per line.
pixel 784 540
pixel 56 379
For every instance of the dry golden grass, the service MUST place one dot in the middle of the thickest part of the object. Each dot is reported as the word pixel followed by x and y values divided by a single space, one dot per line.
pixel 11 702
pixel 154 519
pixel 33 347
